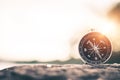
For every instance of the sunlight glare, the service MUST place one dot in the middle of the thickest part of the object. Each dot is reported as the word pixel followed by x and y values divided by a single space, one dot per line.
pixel 105 27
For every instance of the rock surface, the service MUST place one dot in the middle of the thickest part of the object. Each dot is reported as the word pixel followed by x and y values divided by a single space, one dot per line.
pixel 62 72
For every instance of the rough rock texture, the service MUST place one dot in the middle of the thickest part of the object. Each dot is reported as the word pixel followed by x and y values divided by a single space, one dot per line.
pixel 62 72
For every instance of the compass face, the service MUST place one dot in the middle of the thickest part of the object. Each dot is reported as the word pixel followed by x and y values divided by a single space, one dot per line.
pixel 95 48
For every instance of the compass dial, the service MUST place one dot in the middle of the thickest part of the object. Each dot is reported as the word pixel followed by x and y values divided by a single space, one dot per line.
pixel 95 48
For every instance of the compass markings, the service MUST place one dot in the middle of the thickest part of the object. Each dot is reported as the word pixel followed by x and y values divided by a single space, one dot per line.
pixel 102 54
pixel 104 47
pixel 89 56
pixel 85 49
pixel 96 58
pixel 94 39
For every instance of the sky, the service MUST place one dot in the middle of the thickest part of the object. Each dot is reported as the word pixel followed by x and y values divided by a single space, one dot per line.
pixel 47 30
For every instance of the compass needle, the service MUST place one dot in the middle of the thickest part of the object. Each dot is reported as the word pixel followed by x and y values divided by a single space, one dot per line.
pixel 91 52
pixel 98 54
pixel 91 44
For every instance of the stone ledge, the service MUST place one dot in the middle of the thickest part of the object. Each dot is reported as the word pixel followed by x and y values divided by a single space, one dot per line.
pixel 62 72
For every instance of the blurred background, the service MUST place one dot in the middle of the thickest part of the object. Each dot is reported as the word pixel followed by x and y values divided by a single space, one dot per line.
pixel 49 31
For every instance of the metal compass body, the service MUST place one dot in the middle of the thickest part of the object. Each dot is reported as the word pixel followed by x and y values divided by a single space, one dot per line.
pixel 95 48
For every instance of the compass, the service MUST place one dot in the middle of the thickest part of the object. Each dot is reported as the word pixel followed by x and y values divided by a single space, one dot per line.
pixel 95 48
